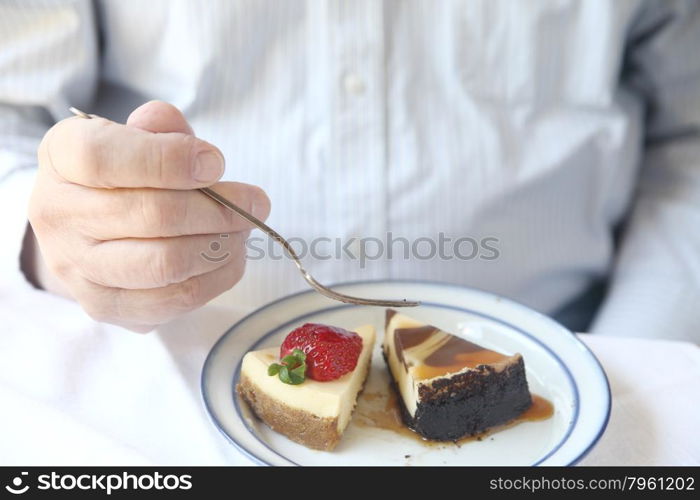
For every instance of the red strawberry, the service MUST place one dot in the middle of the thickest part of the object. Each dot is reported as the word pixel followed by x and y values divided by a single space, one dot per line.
pixel 331 352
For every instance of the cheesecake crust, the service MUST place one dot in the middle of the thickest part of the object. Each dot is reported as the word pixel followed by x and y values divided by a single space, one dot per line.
pixel 312 431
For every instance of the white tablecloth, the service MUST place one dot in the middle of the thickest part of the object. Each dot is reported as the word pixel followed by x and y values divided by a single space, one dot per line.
pixel 73 392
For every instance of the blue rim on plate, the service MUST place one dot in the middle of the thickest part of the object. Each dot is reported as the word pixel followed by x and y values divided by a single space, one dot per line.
pixel 574 387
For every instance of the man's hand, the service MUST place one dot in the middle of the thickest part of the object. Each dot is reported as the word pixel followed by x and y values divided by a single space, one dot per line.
pixel 120 225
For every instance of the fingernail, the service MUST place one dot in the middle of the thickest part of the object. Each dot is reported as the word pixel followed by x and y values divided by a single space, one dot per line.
pixel 208 167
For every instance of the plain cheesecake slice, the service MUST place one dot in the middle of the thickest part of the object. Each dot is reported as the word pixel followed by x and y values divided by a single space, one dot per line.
pixel 449 387
pixel 313 413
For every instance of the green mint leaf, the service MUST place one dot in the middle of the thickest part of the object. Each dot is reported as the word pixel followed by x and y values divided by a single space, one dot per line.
pixel 292 370
pixel 290 360
pixel 298 374
pixel 299 370
pixel 284 375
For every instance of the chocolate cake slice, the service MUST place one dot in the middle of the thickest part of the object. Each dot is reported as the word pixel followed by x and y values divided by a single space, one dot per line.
pixel 451 388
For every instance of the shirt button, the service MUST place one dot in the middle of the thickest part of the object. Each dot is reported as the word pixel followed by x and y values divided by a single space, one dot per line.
pixel 353 84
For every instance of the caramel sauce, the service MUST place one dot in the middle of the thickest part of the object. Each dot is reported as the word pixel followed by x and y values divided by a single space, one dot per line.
pixel 405 338
pixel 449 354
pixel 381 410
pixel 450 347
pixel 460 361
pixel 541 409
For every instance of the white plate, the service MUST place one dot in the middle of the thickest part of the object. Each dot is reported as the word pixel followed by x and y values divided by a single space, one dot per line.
pixel 559 367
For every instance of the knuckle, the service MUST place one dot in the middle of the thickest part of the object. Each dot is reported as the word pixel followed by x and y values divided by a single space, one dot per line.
pixel 60 129
pixel 163 213
pixel 187 145
pixel 97 310
pixel 75 149
pixel 250 198
pixel 61 269
pixel 167 155
pixel 49 208
pixel 228 218
pixel 110 204
pixel 156 162
pixel 188 295
pixel 168 266
pixel 38 213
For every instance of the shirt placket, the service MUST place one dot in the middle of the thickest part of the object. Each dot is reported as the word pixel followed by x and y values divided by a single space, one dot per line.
pixel 358 159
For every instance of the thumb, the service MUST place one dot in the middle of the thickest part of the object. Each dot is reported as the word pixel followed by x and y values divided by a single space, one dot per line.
pixel 159 116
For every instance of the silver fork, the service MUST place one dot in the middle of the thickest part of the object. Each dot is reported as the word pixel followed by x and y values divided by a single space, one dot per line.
pixel 323 290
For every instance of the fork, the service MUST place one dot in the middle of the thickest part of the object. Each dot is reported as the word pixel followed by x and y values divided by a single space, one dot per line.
pixel 323 290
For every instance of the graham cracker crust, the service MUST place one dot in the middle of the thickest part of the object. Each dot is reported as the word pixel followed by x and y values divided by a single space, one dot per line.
pixel 299 426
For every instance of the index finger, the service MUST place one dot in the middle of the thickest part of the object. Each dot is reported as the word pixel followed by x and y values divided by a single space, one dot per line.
pixel 104 154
